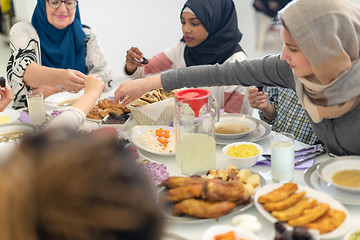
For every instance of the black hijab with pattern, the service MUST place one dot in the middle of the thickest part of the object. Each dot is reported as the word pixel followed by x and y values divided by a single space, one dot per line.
pixel 220 20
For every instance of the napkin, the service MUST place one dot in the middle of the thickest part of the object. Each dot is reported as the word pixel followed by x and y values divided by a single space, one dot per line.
pixel 154 110
pixel 24 117
pixel 304 165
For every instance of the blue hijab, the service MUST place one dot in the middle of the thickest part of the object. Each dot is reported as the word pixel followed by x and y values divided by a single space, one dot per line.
pixel 220 20
pixel 60 48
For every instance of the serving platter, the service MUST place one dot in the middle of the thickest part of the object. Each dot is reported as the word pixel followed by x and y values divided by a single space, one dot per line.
pixel 139 130
pixel 313 180
pixel 327 169
pixel 262 131
pixel 189 219
pixel 310 193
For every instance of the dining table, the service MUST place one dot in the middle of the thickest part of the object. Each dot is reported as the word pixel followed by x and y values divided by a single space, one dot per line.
pixel 194 230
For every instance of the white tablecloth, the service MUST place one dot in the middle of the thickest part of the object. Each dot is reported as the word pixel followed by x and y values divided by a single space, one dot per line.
pixel 194 231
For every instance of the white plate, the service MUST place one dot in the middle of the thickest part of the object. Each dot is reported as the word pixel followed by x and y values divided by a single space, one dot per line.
pixel 136 133
pixel 311 193
pixel 10 113
pixel 211 232
pixel 261 132
pixel 327 169
pixel 313 180
pixel 55 100
pixel 247 120
pixel 189 219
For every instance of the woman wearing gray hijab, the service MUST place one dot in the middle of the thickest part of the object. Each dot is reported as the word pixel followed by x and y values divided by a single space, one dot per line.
pixel 319 60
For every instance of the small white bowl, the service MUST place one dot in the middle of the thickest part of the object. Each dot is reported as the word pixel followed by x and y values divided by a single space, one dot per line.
pixel 350 233
pixel 242 162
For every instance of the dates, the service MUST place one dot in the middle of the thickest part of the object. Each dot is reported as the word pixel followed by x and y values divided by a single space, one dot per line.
pixel 145 61
pixel 298 233
pixel 113 118
pixel 2 81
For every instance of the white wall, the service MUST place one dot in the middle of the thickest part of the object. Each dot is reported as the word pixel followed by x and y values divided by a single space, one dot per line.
pixel 152 26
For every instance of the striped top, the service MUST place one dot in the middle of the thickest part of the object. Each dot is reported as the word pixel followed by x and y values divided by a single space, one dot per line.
pixel 290 117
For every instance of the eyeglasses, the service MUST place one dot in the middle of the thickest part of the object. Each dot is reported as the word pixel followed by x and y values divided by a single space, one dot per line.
pixel 69 4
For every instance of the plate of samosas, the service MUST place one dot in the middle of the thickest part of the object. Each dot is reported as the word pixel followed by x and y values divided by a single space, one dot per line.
pixel 303 206
pixel 204 198
pixel 103 108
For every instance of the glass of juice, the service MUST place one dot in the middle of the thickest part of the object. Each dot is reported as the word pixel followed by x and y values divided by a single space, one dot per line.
pixel 36 108
pixel 282 157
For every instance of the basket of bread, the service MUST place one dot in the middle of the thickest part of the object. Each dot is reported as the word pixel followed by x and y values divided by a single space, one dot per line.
pixel 154 108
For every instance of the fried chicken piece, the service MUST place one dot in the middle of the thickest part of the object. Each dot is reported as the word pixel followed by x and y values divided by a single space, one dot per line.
pixel 294 211
pixel 328 222
pixel 278 194
pixel 202 209
pixel 309 215
pixel 284 204
pixel 182 193
pixel 220 190
pixel 178 181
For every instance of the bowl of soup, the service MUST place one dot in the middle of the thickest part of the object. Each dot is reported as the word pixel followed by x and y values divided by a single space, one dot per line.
pixel 232 126
pixel 341 172
pixel 13 132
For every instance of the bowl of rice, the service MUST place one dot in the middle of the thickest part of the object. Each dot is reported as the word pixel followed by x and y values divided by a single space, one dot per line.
pixel 158 140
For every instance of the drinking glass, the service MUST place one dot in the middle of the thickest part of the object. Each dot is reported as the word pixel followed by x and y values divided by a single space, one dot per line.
pixel 282 157
pixel 36 108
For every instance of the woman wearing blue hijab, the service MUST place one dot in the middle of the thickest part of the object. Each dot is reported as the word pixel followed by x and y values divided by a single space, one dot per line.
pixel 53 53
pixel 210 35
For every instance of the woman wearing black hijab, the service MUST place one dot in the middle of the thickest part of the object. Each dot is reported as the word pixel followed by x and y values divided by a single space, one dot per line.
pixel 210 35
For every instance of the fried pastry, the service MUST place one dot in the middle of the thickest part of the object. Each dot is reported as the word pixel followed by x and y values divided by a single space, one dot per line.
pixel 284 204
pixel 328 222
pixel 202 209
pixel 278 194
pixel 181 193
pixel 139 102
pixel 149 98
pixel 95 113
pixel 178 181
pixel 294 211
pixel 309 215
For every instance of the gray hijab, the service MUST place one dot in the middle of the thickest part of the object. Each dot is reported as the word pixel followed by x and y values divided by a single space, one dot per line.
pixel 328 33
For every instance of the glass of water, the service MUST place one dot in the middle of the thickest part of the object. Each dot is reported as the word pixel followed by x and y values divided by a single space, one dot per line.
pixel 282 157
pixel 36 108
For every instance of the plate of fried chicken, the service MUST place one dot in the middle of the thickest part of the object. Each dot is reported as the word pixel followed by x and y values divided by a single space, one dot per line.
pixel 205 198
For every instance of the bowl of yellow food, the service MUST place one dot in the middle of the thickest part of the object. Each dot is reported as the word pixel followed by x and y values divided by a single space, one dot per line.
pixel 242 154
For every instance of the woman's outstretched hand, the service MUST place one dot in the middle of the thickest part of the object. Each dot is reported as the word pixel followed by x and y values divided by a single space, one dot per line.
pixel 128 91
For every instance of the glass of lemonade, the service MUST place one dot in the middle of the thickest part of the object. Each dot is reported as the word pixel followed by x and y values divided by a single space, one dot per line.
pixel 282 157
pixel 36 108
